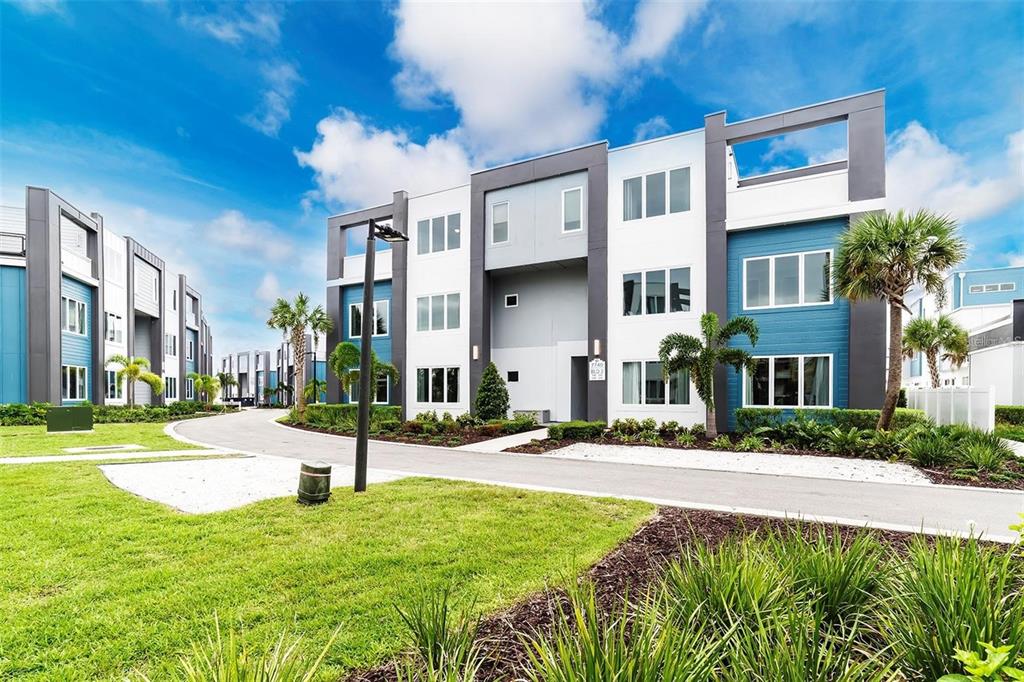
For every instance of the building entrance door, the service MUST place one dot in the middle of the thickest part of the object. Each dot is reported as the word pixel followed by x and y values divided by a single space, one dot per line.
pixel 578 388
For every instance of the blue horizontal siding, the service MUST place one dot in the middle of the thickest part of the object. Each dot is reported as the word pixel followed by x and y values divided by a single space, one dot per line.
pixel 13 323
pixel 813 330
pixel 996 276
pixel 76 349
pixel 381 345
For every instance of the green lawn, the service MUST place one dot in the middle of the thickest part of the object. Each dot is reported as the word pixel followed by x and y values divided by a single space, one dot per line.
pixel 96 583
pixel 1010 431
pixel 22 441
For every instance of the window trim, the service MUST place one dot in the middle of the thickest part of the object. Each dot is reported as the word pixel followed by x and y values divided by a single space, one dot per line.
pixel 667 405
pixel 373 332
pixel 981 288
pixel 668 192
pixel 800 281
pixel 110 376
pixel 190 388
pixel 170 382
pixel 800 357
pixel 508 223
pixel 387 400
pixel 514 305
pixel 65 371
pixel 582 228
pixel 643 291
pixel 113 332
pixel 430 313
pixel 444 388
pixel 430 234
pixel 66 302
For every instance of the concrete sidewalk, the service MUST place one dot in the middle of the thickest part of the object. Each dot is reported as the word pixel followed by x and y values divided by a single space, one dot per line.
pixel 932 508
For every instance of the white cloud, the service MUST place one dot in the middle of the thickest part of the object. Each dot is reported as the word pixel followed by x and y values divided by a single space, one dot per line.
pixel 357 164
pixel 656 23
pixel 651 128
pixel 269 289
pixel 274 109
pixel 235 24
pixel 234 230
pixel 1015 260
pixel 922 172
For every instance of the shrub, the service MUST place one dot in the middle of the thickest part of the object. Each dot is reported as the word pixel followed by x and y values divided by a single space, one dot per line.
pixel 750 444
pixel 686 438
pixel 802 432
pixel 852 441
pixel 669 428
pixel 863 419
pixel 649 425
pixel 343 417
pixel 721 443
pixel 491 396
pixel 748 419
pixel 927 449
pixel 430 416
pixel 983 456
pixel 576 430
pixel 389 425
pixel 17 414
pixel 901 400
pixel 522 422
pixel 699 430
pixel 625 427
pixel 887 444
pixel 1010 414
pixel 468 420
pixel 443 641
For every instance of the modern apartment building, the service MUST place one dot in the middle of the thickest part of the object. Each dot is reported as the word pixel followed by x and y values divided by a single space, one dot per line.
pixel 73 293
pixel 255 371
pixel 568 269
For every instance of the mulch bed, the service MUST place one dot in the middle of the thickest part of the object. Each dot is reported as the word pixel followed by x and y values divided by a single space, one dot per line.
pixel 463 437
pixel 627 570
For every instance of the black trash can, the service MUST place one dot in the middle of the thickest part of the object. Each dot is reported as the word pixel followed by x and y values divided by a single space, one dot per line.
pixel 314 482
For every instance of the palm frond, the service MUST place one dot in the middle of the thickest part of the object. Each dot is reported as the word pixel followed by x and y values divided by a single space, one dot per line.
pixel 737 326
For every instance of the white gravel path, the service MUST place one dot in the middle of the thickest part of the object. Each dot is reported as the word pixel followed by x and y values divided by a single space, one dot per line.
pixel 204 486
pixel 499 444
pixel 107 456
pixel 839 468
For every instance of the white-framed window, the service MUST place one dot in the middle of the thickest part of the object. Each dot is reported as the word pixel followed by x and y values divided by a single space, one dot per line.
pixel 437 385
pixel 190 389
pixel 789 381
pixel 171 388
pixel 438 311
pixel 443 233
pixel 114 387
pixel 190 350
pixel 114 331
pixel 73 382
pixel 381 395
pixel 643 383
pixel 653 292
pixel 499 223
pixel 656 193
pixel 381 319
pixel 156 288
pixel 171 345
pixel 788 280
pixel 72 316
pixel 511 300
pixel 989 288
pixel 572 209
pixel 174 300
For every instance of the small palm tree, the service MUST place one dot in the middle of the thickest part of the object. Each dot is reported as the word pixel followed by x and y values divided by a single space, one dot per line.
pixel 344 362
pixel 269 393
pixel 134 369
pixel 206 385
pixel 314 387
pixel 931 337
pixel 701 356
pixel 227 380
pixel 293 319
pixel 885 255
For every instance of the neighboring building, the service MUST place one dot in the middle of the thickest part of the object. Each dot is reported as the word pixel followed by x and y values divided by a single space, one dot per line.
pixel 996 357
pixel 258 370
pixel 977 300
pixel 73 293
pixel 567 270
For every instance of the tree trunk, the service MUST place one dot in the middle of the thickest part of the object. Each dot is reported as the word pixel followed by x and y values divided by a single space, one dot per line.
pixel 316 393
pixel 895 374
pixel 299 348
pixel 712 421
pixel 933 367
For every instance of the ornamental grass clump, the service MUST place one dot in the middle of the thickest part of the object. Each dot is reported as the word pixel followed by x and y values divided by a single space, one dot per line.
pixel 443 641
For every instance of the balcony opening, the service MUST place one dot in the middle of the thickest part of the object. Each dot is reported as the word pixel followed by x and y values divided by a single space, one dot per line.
pixel 823 148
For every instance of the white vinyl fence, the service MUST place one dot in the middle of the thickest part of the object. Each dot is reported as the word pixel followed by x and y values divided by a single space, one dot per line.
pixel 971 405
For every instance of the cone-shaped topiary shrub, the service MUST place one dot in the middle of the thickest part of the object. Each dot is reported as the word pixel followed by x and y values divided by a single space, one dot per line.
pixel 491 396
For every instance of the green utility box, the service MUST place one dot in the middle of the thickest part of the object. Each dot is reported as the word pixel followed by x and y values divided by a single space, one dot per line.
pixel 69 419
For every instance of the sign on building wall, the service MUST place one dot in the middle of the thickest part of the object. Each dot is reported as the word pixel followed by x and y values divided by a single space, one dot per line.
pixel 597 369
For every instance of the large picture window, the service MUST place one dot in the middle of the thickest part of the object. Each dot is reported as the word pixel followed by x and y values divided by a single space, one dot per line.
pixel 656 291
pixel 437 385
pixel 655 194
pixel 782 281
pixel 789 381
pixel 440 311
pixel 443 233
pixel 643 383
pixel 73 382
pixel 72 316
pixel 381 319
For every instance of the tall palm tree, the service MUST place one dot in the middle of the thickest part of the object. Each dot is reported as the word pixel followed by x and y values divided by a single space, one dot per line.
pixel 884 255
pixel 344 362
pixel 227 380
pixel 134 369
pixel 293 319
pixel 701 356
pixel 319 325
pixel 206 385
pixel 933 336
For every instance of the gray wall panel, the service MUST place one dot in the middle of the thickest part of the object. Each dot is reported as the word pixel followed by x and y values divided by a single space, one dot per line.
pixel 552 307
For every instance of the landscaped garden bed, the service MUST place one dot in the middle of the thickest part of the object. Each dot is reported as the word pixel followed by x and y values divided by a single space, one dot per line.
pixel 34 414
pixel 952 455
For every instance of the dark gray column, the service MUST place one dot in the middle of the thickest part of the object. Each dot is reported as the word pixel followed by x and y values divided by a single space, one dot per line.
pixel 868 347
pixel 715 151
pixel 333 310
pixel 399 293
pixel 180 345
pixel 866 139
pixel 99 314
pixel 597 283
pixel 42 261
pixel 479 293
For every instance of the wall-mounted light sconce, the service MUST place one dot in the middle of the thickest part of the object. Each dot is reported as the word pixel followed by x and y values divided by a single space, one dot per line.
pixel 597 347
pixel 476 352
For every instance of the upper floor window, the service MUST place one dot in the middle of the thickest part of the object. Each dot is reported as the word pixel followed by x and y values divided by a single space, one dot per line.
pixel 989 288
pixel 441 311
pixel 656 194
pixel 439 234
pixel 115 326
pixel 171 345
pixel 792 279
pixel 499 223
pixel 72 316
pixel 380 321
pixel 572 209
pixel 645 293
pixel 795 381
pixel 190 352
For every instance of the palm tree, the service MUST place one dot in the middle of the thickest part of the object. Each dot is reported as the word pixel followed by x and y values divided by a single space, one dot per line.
pixel 885 255
pixel 205 384
pixel 923 335
pixel 344 362
pixel 227 380
pixel 701 356
pixel 314 387
pixel 134 369
pixel 293 319
pixel 269 393
pixel 319 325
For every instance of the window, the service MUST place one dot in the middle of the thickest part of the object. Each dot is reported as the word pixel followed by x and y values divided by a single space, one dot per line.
pixel 511 300
pixel 792 381
pixel 572 209
pixel 381 393
pixel 499 223
pixel 114 388
pixel 643 383
pixel 190 351
pixel 156 288
pixel 171 388
pixel 439 234
pixel 656 194
pixel 440 311
pixel 989 288
pixel 72 316
pixel 189 389
pixel 646 292
pixel 73 382
pixel 114 328
pixel 171 345
pixel 437 385
pixel 381 321
pixel 787 280
pixel 512 377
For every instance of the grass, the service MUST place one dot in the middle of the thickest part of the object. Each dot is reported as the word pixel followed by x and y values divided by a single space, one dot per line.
pixel 97 583
pixel 1011 431
pixel 24 441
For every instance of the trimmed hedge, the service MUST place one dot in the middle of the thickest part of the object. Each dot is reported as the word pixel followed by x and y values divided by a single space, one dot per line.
pixel 1010 414
pixel 16 414
pixel 576 430
pixel 750 418
pixel 344 416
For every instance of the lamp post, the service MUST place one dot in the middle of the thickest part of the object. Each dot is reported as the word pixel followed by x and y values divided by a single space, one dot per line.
pixel 367 318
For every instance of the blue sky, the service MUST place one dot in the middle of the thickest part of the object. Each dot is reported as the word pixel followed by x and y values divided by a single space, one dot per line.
pixel 222 135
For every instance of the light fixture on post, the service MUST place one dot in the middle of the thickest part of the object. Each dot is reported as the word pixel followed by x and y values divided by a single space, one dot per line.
pixel 374 231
